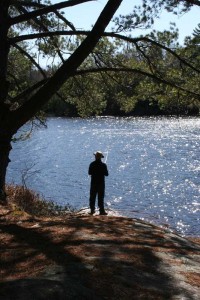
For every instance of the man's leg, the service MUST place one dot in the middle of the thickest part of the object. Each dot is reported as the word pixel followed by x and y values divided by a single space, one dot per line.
pixel 93 193
pixel 101 194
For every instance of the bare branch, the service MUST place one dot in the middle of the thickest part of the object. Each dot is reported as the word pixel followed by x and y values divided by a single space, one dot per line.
pixel 65 20
pixel 192 2
pixel 45 10
pixel 45 28
pixel 149 62
pixel 46 34
pixel 38 5
pixel 30 58
pixel 27 4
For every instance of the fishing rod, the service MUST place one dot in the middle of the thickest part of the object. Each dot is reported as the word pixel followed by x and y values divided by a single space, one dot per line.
pixel 106 157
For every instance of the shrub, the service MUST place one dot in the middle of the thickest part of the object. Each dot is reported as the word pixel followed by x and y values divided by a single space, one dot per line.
pixel 33 203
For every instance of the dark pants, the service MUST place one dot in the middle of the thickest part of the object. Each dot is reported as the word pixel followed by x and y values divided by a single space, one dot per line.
pixel 94 191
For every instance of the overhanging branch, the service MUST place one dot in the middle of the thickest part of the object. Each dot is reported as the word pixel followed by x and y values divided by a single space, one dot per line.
pixel 138 71
pixel 148 40
pixel 68 68
pixel 192 2
pixel 107 34
pixel 45 10
pixel 21 50
pixel 20 4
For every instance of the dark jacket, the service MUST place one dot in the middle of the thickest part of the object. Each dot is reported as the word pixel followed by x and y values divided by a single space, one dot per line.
pixel 98 170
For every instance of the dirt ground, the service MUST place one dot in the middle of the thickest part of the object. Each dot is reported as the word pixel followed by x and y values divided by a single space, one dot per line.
pixel 94 257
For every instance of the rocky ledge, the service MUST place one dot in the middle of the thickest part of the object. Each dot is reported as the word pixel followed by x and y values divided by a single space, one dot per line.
pixel 94 257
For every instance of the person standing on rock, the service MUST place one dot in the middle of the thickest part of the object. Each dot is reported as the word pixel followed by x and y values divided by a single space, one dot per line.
pixel 98 170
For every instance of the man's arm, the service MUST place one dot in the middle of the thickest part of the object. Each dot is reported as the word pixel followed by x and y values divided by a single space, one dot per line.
pixel 90 170
pixel 106 170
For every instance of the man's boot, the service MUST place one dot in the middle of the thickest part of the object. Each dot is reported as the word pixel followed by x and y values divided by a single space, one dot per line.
pixel 92 211
pixel 103 212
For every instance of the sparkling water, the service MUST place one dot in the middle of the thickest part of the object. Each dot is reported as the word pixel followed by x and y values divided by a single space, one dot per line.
pixel 153 163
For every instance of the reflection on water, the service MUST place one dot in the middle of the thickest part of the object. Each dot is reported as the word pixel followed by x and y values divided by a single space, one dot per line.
pixel 154 166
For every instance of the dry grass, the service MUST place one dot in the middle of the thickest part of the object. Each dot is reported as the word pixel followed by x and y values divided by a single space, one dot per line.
pixel 28 201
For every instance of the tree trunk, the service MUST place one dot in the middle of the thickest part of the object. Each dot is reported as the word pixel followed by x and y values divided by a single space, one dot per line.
pixel 4 49
pixel 5 147
pixel 5 137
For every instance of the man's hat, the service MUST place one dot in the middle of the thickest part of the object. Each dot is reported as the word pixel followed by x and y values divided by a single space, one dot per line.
pixel 99 154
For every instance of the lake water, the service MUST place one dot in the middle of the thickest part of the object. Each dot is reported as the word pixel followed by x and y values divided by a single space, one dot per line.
pixel 153 163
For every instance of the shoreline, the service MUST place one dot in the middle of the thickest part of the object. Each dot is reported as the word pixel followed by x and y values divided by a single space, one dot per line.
pixel 85 211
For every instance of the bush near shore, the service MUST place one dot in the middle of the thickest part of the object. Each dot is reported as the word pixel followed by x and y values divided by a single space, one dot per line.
pixel 28 201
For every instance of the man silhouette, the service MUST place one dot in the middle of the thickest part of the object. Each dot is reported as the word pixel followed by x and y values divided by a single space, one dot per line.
pixel 98 170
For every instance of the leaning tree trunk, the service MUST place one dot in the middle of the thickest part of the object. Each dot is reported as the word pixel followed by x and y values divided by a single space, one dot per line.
pixel 5 147
pixel 5 137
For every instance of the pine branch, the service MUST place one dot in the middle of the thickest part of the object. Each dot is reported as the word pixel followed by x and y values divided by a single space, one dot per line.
pixel 108 34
